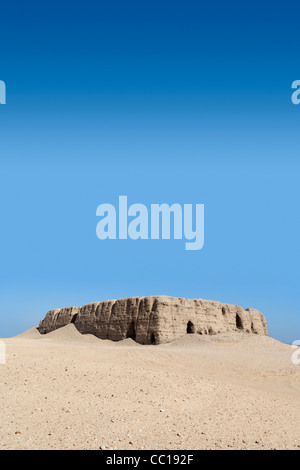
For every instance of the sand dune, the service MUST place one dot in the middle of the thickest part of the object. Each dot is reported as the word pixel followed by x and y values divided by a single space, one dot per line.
pixel 65 390
pixel 69 333
pixel 33 333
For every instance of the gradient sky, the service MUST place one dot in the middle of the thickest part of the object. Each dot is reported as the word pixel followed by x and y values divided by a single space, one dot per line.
pixel 186 102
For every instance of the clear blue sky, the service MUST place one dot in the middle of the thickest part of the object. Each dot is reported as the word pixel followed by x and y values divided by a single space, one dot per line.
pixel 186 102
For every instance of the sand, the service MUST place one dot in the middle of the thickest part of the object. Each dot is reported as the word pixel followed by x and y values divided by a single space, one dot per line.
pixel 65 390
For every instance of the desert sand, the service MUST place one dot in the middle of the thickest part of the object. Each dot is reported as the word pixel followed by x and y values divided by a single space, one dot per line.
pixel 65 390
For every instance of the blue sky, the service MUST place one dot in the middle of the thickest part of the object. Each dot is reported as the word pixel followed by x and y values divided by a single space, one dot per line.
pixel 163 102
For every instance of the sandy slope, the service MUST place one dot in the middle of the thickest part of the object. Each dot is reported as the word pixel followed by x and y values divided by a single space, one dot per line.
pixel 68 391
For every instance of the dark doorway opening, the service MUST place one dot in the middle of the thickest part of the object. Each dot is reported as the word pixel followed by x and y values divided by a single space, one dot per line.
pixel 238 321
pixel 152 339
pixel 131 331
pixel 73 320
pixel 190 328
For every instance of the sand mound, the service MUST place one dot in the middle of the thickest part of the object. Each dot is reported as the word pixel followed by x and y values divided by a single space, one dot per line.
pixel 33 333
pixel 231 337
pixel 126 342
pixel 244 338
pixel 189 340
pixel 69 333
